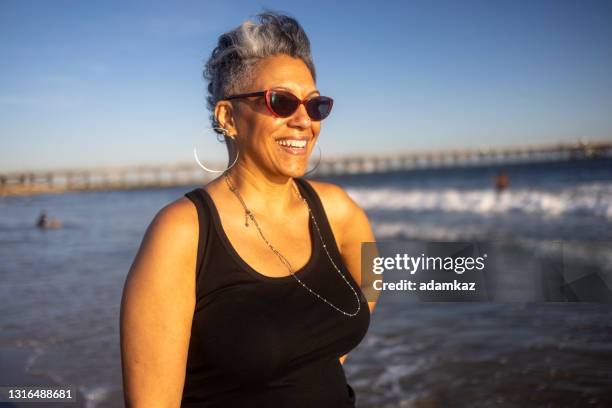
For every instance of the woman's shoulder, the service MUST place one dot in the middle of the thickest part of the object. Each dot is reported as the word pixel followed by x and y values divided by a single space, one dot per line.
pixel 180 214
pixel 179 220
pixel 339 207
pixel 331 194
pixel 166 259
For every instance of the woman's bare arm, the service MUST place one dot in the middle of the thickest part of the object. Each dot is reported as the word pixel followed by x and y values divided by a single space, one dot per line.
pixel 157 309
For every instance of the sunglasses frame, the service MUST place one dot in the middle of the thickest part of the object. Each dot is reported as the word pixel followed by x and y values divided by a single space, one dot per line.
pixel 267 94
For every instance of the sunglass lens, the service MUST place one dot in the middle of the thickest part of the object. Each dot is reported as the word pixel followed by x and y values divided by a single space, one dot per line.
pixel 283 104
pixel 319 107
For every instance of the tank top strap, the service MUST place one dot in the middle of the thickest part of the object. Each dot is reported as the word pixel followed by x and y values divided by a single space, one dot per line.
pixel 207 234
pixel 197 197
pixel 316 206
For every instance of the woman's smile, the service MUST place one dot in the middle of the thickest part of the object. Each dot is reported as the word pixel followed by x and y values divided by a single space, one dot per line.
pixel 293 145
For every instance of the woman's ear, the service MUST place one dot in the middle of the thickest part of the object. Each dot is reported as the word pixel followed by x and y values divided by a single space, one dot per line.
pixel 223 113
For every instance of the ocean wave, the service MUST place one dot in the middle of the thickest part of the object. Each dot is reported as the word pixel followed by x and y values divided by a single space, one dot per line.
pixel 590 199
pixel 586 252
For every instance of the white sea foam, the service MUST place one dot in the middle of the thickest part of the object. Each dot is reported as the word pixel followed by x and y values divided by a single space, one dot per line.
pixel 94 395
pixel 594 199
pixel 394 230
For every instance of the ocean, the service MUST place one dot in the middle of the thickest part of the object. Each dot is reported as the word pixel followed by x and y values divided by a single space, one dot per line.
pixel 60 290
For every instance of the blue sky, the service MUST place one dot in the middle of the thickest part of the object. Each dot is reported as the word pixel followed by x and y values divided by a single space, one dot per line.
pixel 112 83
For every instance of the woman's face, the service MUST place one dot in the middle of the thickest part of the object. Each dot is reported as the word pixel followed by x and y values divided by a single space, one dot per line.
pixel 259 132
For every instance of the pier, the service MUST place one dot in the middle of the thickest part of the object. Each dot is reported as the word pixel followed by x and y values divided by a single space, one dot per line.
pixel 153 176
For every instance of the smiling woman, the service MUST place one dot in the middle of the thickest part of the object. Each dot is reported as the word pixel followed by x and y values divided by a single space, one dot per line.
pixel 246 292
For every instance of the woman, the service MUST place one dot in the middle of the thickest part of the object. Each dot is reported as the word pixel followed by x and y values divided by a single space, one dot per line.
pixel 246 292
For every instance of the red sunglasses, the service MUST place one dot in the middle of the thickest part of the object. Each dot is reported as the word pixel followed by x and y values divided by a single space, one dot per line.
pixel 283 104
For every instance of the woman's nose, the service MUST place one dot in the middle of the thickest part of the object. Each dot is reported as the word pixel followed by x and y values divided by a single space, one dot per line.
pixel 300 118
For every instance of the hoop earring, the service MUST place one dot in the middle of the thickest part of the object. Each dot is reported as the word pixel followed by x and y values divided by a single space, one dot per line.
pixel 212 170
pixel 318 162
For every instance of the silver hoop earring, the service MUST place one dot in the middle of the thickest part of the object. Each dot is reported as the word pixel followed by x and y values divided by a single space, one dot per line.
pixel 212 170
pixel 318 162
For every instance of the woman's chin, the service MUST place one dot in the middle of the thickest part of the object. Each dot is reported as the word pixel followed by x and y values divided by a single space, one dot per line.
pixel 297 172
pixel 293 167
pixel 293 171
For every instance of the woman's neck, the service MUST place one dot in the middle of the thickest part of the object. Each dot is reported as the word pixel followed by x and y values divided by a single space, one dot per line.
pixel 263 194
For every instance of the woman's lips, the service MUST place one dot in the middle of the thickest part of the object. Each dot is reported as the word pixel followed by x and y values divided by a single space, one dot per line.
pixel 293 146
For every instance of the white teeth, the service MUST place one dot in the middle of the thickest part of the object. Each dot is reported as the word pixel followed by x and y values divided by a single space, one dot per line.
pixel 292 143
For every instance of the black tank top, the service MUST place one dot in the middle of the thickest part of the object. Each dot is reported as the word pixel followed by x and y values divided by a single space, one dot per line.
pixel 260 341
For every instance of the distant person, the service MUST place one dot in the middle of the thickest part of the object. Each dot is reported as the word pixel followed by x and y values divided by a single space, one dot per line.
pixel 501 182
pixel 44 222
pixel 260 309
pixel 42 219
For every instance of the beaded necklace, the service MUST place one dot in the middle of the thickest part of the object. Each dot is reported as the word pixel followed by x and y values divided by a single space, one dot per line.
pixel 249 215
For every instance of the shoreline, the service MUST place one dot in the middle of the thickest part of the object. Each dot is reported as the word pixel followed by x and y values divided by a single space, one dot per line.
pixel 40 189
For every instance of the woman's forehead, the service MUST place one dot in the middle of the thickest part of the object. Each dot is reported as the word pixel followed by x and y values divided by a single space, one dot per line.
pixel 284 72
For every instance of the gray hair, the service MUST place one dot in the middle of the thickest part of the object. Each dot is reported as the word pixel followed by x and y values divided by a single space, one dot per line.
pixel 230 65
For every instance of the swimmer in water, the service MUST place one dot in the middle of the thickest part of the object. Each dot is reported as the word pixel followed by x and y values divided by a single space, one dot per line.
pixel 501 182
pixel 44 223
